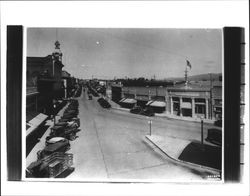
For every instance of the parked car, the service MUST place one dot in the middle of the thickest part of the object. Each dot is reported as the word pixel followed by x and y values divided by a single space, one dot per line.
pixel 148 112
pixel 66 132
pixel 104 103
pixel 90 97
pixel 214 136
pixel 61 146
pixel 54 140
pixel 50 166
pixel 136 110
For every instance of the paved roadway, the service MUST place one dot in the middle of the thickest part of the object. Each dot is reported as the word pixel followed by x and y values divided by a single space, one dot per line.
pixel 112 146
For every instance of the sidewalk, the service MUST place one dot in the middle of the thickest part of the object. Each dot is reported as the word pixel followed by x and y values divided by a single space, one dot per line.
pixel 173 148
pixel 164 115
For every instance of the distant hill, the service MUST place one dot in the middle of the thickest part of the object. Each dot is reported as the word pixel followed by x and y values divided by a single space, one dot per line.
pixel 200 77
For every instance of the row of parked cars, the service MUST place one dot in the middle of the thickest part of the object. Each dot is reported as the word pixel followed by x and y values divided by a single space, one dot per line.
pixel 103 102
pixel 78 92
pixel 92 91
pixel 53 160
pixel 143 111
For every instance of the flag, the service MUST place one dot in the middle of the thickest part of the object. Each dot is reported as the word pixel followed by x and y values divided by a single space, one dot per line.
pixel 188 64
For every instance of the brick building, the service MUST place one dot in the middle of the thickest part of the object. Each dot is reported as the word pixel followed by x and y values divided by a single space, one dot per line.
pixel 45 75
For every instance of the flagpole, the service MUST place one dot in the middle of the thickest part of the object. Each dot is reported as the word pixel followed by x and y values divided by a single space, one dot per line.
pixel 186 74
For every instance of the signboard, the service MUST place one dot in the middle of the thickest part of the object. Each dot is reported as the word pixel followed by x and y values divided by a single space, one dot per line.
pixel 191 94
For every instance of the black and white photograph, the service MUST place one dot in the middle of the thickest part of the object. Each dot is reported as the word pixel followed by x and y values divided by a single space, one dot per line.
pixel 124 104
pixel 124 98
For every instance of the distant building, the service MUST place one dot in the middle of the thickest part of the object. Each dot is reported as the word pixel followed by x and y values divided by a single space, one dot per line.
pixel 116 92
pixel 67 84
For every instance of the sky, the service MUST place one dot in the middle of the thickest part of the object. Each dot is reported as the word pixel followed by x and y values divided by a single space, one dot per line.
pixel 118 53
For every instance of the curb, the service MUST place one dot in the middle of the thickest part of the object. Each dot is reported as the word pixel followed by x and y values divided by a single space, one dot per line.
pixel 208 121
pixel 188 164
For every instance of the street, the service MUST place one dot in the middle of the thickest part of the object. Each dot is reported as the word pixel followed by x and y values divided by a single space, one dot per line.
pixel 112 146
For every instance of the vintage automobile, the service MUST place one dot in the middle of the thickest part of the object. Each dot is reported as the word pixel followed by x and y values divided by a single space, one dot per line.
pixel 104 103
pixel 214 136
pixel 69 115
pixel 69 124
pixel 50 166
pixel 61 146
pixel 136 110
pixel 218 123
pixel 66 132
pixel 67 120
pixel 148 112
pixel 54 140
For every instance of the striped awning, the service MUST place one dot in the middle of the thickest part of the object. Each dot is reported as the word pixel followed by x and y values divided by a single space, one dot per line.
pixel 122 99
pixel 149 102
pixel 156 103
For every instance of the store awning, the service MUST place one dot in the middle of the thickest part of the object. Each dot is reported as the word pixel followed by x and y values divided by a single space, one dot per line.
pixel 157 104
pixel 132 101
pixel 142 98
pixel 149 102
pixel 35 122
pixel 38 119
pixel 122 99
pixel 186 105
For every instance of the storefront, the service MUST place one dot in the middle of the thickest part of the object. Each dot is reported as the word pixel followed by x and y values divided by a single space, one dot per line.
pixel 190 102
pixel 142 100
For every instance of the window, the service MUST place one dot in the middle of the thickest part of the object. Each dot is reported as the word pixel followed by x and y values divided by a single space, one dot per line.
pixel 200 100
pixel 200 109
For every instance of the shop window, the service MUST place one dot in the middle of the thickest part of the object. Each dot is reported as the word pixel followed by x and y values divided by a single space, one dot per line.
pixel 177 99
pixel 200 109
pixel 186 99
pixel 176 108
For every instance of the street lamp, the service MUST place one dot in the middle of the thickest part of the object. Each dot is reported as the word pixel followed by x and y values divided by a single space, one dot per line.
pixel 202 133
pixel 150 124
pixel 54 111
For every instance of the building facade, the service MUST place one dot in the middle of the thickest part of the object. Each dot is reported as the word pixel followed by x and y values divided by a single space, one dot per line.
pixel 189 101
pixel 45 75
pixel 193 99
